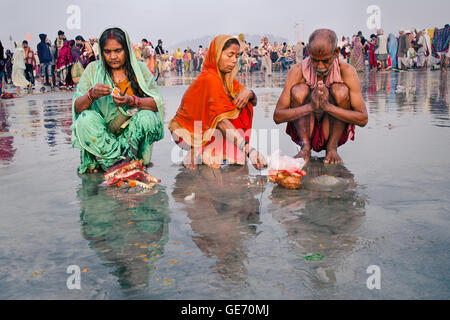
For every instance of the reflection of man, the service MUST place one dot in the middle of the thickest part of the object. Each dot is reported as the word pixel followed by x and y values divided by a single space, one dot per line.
pixel 321 100
pixel 321 222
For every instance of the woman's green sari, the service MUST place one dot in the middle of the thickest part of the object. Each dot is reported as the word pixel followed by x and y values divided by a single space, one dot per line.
pixel 100 148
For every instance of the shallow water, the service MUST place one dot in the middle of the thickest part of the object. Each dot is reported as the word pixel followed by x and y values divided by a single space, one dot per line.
pixel 241 237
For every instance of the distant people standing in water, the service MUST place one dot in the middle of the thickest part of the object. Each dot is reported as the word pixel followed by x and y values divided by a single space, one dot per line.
pixel 381 51
pixel 45 59
pixel 161 56
pixel 357 57
pixel 94 45
pixel 30 62
pixel 86 50
pixel 178 56
pixel 191 59
pixel 441 42
pixel 18 70
pixel 201 56
pixel 299 52
pixel 264 51
pixel 8 66
pixel 59 42
pixel 363 40
pixel 321 100
pixel 422 51
pixel 2 66
pixel 402 51
pixel 186 60
pixel 148 55
pixel 392 48
pixel 63 65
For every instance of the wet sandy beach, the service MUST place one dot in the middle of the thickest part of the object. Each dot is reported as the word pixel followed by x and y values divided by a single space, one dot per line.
pixel 241 237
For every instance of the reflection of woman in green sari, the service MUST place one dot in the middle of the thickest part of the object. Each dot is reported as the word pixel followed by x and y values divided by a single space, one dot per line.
pixel 128 232
pixel 109 127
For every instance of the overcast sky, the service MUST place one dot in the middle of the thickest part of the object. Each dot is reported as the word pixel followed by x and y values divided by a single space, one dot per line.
pixel 175 21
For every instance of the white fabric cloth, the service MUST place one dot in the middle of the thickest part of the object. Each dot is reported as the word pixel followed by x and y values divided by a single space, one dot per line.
pixel 422 41
pixel 18 74
pixel 266 64
pixel 298 52
pixel 382 44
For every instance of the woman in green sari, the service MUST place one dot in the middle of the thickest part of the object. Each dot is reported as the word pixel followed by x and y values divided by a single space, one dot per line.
pixel 117 109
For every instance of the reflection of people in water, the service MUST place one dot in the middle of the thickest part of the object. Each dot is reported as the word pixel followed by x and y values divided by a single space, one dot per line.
pixel 438 100
pixel 321 222
pixel 223 213
pixel 129 235
pixel 7 150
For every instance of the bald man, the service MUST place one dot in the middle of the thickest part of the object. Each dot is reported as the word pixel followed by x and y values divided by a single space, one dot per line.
pixel 321 100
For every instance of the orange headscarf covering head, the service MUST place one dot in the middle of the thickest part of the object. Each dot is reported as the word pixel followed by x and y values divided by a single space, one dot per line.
pixel 209 99
pixel 212 58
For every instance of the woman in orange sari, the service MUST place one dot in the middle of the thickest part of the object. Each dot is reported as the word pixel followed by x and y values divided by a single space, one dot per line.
pixel 214 119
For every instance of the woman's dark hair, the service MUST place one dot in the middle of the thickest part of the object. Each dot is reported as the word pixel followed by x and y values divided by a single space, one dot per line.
pixel 79 38
pixel 119 36
pixel 230 42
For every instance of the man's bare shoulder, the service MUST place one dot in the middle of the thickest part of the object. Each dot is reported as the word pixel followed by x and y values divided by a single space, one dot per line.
pixel 348 73
pixel 295 75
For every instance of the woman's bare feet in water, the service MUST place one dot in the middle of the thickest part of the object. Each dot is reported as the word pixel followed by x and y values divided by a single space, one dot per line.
pixel 189 161
pixel 332 157
pixel 92 171
pixel 305 154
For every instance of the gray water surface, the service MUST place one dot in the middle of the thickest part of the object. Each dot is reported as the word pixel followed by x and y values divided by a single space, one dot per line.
pixel 241 237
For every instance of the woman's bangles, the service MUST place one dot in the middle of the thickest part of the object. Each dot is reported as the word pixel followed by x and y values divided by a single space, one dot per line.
pixel 136 102
pixel 250 151
pixel 242 147
pixel 90 95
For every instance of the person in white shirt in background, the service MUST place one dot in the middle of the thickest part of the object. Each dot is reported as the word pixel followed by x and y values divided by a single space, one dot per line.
pixel 264 52
pixel 423 50
pixel 381 50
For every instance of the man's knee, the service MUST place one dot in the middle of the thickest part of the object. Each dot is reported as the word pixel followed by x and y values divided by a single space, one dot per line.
pixel 299 93
pixel 341 94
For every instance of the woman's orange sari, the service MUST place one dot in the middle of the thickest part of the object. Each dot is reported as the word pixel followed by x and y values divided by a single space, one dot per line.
pixel 207 101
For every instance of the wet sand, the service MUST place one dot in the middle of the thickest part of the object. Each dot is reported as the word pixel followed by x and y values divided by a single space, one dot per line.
pixel 239 238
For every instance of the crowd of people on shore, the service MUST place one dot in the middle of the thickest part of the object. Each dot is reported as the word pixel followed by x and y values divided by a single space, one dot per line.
pixel 59 64
pixel 410 49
